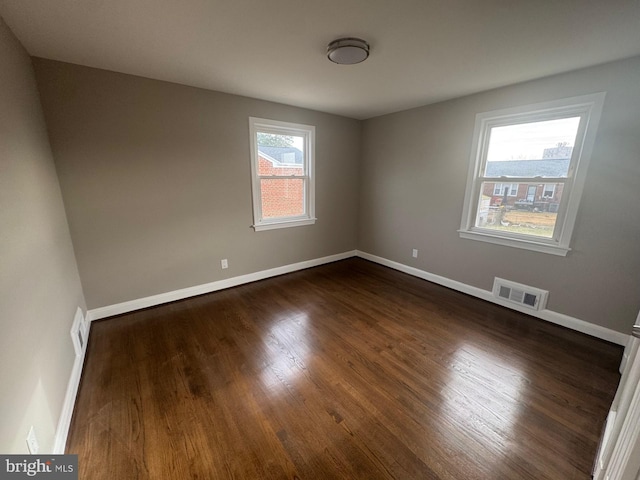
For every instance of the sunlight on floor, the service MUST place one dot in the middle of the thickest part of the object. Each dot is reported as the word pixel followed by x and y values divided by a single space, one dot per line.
pixel 491 413
pixel 288 351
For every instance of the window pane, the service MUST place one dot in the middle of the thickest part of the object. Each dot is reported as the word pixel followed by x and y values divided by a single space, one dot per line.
pixel 532 211
pixel 536 149
pixel 282 198
pixel 281 155
pixel 511 189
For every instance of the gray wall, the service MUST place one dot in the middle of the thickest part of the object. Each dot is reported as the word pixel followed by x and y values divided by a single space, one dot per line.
pixel 413 176
pixel 157 185
pixel 156 182
pixel 39 284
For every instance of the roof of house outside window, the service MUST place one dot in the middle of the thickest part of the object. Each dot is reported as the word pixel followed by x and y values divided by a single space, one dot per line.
pixel 529 168
pixel 282 155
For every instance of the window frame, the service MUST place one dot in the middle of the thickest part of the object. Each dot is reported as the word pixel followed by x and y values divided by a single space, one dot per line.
pixel 513 192
pixel 545 189
pixel 588 108
pixel 276 127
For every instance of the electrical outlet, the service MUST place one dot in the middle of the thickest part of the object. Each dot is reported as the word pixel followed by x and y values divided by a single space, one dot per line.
pixel 32 441
pixel 415 253
pixel 224 263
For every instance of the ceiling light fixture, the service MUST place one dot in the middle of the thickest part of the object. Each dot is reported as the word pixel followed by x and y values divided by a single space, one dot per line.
pixel 348 51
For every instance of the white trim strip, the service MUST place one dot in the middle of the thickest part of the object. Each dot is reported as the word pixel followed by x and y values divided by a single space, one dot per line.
pixel 62 430
pixel 283 224
pixel 514 242
pixel 548 315
pixel 130 306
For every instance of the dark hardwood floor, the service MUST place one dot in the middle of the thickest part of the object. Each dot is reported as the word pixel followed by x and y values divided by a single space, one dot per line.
pixel 345 371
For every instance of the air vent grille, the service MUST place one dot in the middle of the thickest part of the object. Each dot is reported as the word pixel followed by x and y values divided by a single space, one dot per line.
pixel 505 292
pixel 523 295
pixel 530 299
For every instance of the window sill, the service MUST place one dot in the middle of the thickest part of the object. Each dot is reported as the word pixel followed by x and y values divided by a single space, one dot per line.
pixel 283 224
pixel 525 244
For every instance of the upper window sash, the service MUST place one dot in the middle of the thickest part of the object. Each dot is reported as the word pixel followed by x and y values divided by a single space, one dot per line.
pixel 285 131
pixel 489 123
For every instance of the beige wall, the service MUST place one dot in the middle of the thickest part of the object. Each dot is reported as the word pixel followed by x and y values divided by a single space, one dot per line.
pixel 414 170
pixel 157 185
pixel 39 284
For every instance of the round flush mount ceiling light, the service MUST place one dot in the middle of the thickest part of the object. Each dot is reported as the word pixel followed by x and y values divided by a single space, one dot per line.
pixel 348 51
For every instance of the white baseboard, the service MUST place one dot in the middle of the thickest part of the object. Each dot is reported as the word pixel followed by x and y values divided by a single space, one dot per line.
pixel 64 421
pixel 125 307
pixel 548 315
pixel 130 306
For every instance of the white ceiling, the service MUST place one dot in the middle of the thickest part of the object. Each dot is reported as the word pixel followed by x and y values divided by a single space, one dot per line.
pixel 422 51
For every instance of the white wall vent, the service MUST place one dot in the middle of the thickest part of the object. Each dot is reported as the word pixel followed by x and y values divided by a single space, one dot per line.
pixel 523 295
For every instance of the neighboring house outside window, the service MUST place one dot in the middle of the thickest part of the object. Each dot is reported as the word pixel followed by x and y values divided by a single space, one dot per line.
pixel 546 148
pixel 500 188
pixel 281 199
pixel 526 196
pixel 282 157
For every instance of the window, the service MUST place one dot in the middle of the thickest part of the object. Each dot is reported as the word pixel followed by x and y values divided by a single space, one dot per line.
pixel 546 148
pixel 511 189
pixel 549 190
pixel 281 174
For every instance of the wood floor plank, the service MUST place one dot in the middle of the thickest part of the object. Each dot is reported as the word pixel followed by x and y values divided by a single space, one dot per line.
pixel 346 371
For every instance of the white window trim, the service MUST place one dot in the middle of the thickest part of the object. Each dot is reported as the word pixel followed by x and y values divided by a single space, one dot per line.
pixel 587 106
pixel 307 132
pixel 509 193
pixel 553 190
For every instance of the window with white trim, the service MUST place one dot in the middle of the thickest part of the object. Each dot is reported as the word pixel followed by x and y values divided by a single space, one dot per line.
pixel 282 174
pixel 549 190
pixel 510 188
pixel 546 148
